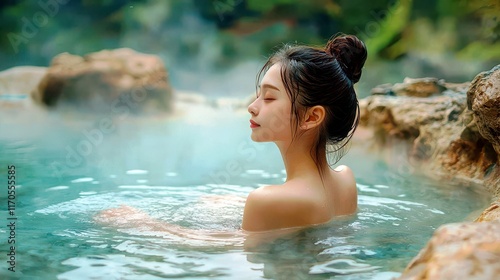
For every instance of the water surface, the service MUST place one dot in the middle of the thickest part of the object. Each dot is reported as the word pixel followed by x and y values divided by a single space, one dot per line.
pixel 70 169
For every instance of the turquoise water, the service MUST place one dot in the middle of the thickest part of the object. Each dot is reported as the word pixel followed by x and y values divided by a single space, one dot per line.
pixel 68 169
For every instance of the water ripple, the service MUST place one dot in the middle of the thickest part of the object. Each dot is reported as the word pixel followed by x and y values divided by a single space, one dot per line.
pixel 341 266
pixel 82 180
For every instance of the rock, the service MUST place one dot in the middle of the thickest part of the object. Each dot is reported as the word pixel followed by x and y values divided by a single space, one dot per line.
pixel 109 80
pixel 384 89
pixel 422 87
pixel 483 98
pixel 422 121
pixel 20 79
pixel 16 83
pixel 447 139
pixel 492 181
pixel 491 213
pixel 460 87
pixel 453 133
pixel 480 140
pixel 459 251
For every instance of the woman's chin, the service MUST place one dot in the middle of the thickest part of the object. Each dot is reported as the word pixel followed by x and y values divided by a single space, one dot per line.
pixel 256 138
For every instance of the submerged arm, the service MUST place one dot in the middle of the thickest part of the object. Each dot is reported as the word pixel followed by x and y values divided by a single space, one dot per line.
pixel 126 217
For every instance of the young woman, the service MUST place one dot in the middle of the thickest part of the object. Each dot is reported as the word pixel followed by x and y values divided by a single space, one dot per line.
pixel 307 105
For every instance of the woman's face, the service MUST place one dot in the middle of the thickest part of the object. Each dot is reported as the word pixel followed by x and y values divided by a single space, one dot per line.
pixel 270 112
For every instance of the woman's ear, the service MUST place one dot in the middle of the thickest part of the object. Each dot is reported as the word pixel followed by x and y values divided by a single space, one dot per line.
pixel 314 117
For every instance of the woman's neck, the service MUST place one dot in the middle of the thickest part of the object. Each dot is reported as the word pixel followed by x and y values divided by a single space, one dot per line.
pixel 298 159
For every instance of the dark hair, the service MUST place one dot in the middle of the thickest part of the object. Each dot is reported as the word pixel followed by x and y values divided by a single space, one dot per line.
pixel 323 76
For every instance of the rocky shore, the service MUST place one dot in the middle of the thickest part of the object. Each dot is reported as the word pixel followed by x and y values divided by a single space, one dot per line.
pixel 110 82
pixel 453 134
pixel 100 82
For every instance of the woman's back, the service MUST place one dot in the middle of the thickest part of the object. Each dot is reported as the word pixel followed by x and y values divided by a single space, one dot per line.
pixel 301 201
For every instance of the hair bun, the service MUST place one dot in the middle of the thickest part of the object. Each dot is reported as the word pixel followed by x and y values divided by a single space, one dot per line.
pixel 351 54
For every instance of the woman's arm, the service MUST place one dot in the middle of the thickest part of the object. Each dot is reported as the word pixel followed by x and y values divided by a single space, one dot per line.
pixel 226 199
pixel 126 217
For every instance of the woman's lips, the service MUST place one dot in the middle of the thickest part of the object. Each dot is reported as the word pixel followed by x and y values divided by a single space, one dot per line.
pixel 253 124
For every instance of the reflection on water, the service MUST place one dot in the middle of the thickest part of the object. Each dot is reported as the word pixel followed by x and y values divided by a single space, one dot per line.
pixel 175 170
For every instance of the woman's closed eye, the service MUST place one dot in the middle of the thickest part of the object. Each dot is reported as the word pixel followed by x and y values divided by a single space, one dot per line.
pixel 269 97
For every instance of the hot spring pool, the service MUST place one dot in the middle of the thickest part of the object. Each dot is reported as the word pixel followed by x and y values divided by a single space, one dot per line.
pixel 66 173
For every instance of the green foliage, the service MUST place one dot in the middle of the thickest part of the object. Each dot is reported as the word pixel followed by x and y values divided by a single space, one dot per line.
pixel 265 6
pixel 251 28
pixel 303 9
pixel 388 28
pixel 481 51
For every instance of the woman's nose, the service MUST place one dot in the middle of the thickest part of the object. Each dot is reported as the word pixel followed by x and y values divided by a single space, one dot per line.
pixel 252 108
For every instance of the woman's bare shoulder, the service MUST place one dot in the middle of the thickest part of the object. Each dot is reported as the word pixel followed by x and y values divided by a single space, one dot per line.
pixel 347 184
pixel 345 174
pixel 274 207
pixel 272 196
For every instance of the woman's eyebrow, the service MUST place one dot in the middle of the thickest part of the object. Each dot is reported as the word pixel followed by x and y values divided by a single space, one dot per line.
pixel 269 86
